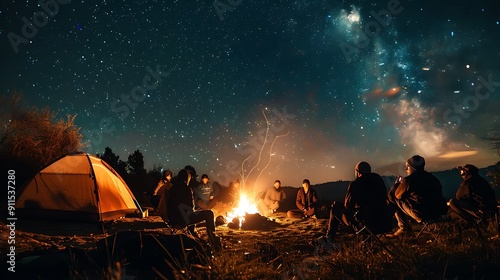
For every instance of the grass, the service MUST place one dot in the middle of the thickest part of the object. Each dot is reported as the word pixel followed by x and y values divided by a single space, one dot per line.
pixel 449 256
pixel 457 253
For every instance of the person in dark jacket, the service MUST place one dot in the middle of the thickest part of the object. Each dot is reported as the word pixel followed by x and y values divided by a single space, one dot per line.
pixel 204 194
pixel 306 201
pixel 180 207
pixel 364 205
pixel 475 198
pixel 418 195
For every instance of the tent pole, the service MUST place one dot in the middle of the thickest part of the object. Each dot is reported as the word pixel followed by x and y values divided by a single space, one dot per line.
pixel 96 188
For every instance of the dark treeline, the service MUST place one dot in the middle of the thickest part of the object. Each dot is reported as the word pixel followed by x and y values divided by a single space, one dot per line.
pixel 138 179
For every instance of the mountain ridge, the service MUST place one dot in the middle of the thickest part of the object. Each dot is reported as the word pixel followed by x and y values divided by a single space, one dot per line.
pixel 335 190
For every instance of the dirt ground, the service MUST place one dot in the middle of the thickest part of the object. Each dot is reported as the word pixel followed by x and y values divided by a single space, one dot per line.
pixel 291 237
pixel 45 234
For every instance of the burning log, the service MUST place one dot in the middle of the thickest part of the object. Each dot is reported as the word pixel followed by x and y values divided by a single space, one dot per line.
pixel 251 222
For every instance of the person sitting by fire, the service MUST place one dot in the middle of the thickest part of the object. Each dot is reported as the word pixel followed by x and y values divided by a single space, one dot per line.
pixel 306 201
pixel 271 202
pixel 163 186
pixel 364 205
pixel 180 208
pixel 475 198
pixel 204 195
pixel 418 195
pixel 207 197
pixel 231 194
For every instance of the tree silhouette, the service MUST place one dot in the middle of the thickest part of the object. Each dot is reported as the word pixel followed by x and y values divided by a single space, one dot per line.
pixel 156 171
pixel 494 139
pixel 135 163
pixel 114 160
pixel 494 172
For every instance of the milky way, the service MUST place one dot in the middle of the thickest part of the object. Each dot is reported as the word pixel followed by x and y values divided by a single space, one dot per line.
pixel 264 90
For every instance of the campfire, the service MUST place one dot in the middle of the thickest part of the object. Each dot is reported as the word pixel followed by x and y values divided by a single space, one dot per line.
pixel 245 215
pixel 244 206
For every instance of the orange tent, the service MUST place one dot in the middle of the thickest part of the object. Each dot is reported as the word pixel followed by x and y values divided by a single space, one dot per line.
pixel 77 187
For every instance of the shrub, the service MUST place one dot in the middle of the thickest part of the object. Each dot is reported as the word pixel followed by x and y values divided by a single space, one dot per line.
pixel 31 137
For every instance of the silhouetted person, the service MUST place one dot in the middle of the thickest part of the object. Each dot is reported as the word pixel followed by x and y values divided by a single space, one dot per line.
pixel 180 206
pixel 418 195
pixel 364 205
pixel 194 176
pixel 475 198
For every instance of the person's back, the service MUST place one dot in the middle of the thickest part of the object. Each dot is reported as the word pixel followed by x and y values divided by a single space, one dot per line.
pixel 425 193
pixel 161 206
pixel 364 206
pixel 367 196
pixel 180 200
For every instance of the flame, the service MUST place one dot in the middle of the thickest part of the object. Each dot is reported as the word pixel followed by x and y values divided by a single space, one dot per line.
pixel 245 205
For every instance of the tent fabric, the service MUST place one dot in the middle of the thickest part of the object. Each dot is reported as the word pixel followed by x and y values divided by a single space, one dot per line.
pixel 78 187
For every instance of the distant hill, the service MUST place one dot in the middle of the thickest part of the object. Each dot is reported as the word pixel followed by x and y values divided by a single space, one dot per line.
pixel 331 191
pixel 450 179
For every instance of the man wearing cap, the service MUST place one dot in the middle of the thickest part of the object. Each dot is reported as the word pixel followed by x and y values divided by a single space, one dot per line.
pixel 364 205
pixel 204 194
pixel 418 195
pixel 475 198
pixel 205 197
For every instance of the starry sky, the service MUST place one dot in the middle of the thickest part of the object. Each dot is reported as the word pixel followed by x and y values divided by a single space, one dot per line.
pixel 264 90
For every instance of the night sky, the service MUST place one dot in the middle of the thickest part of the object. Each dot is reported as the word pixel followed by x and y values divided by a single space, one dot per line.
pixel 192 82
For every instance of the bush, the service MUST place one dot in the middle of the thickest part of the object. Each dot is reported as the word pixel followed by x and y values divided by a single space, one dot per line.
pixel 30 137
